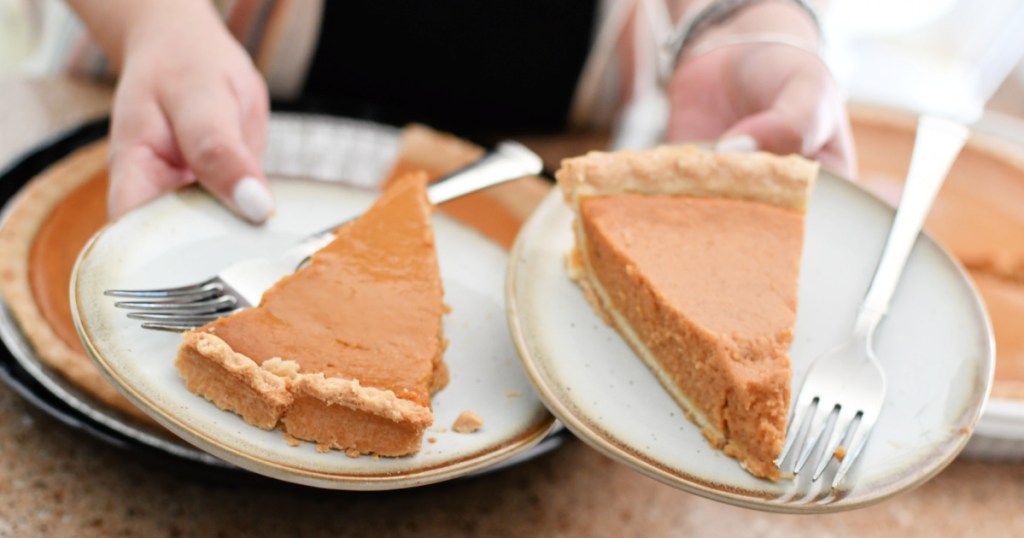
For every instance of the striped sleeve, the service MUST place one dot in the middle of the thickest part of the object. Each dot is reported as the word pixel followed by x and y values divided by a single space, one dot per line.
pixel 280 36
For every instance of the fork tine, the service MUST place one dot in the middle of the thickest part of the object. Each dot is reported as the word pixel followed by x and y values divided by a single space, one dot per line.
pixel 193 320
pixel 201 306
pixel 170 327
pixel 844 424
pixel 822 418
pixel 857 440
pixel 201 288
pixel 801 411
pixel 198 319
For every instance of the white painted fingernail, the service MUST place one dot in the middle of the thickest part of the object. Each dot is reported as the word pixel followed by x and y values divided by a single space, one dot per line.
pixel 737 143
pixel 253 199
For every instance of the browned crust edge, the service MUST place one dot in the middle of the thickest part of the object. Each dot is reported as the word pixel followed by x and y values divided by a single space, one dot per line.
pixel 782 181
pixel 436 151
pixel 271 386
pixel 279 382
pixel 349 393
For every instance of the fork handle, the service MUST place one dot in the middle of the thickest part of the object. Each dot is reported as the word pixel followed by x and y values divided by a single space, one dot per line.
pixel 507 161
pixel 936 146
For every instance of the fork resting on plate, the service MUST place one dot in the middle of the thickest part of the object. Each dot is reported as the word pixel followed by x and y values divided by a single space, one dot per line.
pixel 844 389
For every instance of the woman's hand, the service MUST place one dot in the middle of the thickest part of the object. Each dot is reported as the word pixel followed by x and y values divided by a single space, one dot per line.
pixel 189 107
pixel 762 95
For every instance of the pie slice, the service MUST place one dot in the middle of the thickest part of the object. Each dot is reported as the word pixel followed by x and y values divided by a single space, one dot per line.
pixel 345 352
pixel 694 258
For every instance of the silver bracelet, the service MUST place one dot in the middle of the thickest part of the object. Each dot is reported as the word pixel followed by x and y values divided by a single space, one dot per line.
pixel 764 38
pixel 712 15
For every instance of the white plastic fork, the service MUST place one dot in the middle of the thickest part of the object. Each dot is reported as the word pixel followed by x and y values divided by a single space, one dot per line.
pixel 844 389
pixel 242 284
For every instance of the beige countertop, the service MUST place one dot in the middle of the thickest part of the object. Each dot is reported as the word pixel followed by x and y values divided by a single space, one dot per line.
pixel 56 481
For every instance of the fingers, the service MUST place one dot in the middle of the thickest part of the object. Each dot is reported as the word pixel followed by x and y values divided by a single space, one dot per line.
pixel 824 136
pixel 806 117
pixel 838 154
pixel 143 162
pixel 217 142
pixel 255 106
pixel 139 175
pixel 161 142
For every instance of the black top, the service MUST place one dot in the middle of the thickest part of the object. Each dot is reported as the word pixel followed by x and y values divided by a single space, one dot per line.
pixel 463 65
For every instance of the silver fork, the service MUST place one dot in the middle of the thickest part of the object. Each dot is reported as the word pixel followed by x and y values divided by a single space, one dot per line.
pixel 242 284
pixel 843 391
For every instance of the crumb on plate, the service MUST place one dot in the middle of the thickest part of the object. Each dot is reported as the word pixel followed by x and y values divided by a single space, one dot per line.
pixel 467 422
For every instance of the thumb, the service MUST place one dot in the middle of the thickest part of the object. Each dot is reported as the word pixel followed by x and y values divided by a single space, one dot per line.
pixel 769 130
pixel 775 132
pixel 807 119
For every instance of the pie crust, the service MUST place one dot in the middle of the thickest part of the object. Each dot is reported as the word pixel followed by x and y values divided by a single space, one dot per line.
pixel 497 213
pixel 346 351
pixel 30 213
pixel 668 247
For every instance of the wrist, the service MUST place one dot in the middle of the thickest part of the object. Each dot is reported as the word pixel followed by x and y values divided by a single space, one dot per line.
pixel 157 20
pixel 775 17
pixel 723 21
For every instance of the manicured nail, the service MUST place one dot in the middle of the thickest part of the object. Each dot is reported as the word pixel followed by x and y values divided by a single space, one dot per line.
pixel 253 199
pixel 737 143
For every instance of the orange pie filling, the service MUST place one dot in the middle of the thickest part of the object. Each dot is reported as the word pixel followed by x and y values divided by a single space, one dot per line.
pixel 345 352
pixel 52 218
pixel 701 280
pixel 60 210
pixel 67 229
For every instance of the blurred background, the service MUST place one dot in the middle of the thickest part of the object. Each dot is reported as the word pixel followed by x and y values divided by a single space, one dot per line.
pixel 944 56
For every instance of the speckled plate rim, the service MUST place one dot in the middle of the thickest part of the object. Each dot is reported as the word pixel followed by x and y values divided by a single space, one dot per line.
pixel 589 430
pixel 540 427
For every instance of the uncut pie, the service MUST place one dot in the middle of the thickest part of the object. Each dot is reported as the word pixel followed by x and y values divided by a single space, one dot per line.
pixel 47 225
pixel 346 351
pixel 694 258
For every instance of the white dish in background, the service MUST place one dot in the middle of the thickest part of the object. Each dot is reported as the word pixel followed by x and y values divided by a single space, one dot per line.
pixel 999 435
pixel 186 236
pixel 935 346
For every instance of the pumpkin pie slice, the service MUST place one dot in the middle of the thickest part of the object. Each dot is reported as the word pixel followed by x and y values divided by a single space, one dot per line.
pixel 345 352
pixel 694 258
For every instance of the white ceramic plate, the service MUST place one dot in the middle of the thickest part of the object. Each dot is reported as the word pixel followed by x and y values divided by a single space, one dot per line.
pixel 935 346
pixel 186 236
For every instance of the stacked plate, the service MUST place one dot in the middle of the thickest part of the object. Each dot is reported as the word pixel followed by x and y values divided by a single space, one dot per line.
pixel 342 162
pixel 559 356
